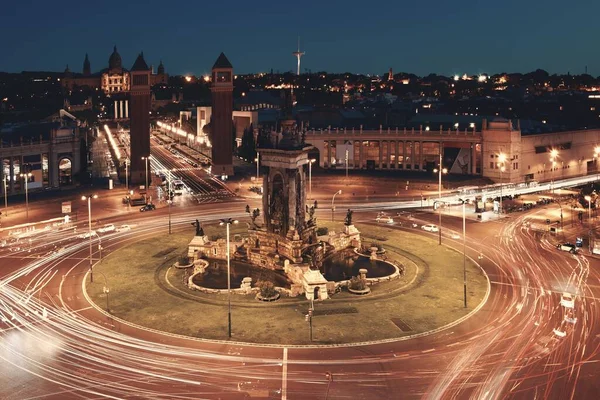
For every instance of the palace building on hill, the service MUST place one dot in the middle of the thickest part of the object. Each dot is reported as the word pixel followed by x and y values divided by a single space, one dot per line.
pixel 114 79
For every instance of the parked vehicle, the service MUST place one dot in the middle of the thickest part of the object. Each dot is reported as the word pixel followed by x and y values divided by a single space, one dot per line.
pixel 430 228
pixel 124 228
pixel 567 300
pixel 107 228
pixel 570 247
pixel 148 207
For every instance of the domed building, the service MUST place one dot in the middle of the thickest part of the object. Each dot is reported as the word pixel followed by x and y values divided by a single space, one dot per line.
pixel 114 79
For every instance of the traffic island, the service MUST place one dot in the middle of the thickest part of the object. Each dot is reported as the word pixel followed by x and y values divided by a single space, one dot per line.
pixel 145 289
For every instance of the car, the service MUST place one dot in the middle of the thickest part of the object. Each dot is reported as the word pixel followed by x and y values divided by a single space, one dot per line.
pixel 567 300
pixel 87 234
pixel 570 317
pixel 570 247
pixel 148 207
pixel 430 228
pixel 124 228
pixel 107 228
pixel 455 235
pixel 384 218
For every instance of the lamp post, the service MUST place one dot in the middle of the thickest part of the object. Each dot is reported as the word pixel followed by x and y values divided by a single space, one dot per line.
pixel 596 155
pixel 257 159
pixel 332 203
pixel 329 377
pixel 501 160
pixel 227 222
pixel 5 198
pixel 89 202
pixel 26 176
pixel 553 155
pixel 170 198
pixel 127 174
pixel 589 200
pixel 441 171
pixel 464 251
pixel 310 163
pixel 146 159
pixel 346 165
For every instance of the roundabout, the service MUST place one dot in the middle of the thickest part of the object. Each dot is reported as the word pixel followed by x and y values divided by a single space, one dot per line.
pixel 148 291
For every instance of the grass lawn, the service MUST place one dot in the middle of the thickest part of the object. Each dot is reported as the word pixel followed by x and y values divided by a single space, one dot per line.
pixel 146 290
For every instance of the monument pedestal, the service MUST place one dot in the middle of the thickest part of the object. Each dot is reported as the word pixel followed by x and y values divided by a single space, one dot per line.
pixel 315 285
pixel 198 244
pixel 349 237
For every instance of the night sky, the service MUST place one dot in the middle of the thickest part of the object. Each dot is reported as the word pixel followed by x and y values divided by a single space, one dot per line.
pixel 422 37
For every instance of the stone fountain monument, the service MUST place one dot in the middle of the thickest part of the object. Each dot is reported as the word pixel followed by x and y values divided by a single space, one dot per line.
pixel 287 240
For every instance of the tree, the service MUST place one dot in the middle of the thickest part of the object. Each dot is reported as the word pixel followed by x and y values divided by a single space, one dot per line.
pixel 248 148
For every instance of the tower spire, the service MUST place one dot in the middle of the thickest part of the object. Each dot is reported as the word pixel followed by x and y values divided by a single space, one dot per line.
pixel 298 54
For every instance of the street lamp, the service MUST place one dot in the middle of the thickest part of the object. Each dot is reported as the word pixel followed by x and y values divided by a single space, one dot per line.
pixel 227 222
pixel 310 163
pixel 332 203
pixel 346 165
pixel 589 200
pixel 146 159
pixel 170 197
pixel 89 202
pixel 5 197
pixel 501 161
pixel 441 171
pixel 464 251
pixel 26 177
pixel 257 159
pixel 329 377
pixel 553 155
pixel 127 174
pixel 596 155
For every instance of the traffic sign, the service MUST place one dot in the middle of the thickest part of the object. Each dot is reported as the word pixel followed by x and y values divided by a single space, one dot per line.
pixel 66 207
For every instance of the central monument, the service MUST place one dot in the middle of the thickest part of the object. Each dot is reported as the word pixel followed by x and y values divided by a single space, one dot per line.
pixel 286 231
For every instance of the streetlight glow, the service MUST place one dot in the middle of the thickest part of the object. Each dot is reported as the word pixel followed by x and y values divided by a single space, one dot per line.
pixel 310 163
pixel 89 201
pixel 227 222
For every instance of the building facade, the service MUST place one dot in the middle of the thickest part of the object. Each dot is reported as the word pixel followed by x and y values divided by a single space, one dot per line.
pixel 221 131
pixel 114 79
pixel 49 151
pixel 498 151
pixel 139 109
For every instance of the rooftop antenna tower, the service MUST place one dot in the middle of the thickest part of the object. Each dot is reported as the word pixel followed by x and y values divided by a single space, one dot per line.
pixel 298 54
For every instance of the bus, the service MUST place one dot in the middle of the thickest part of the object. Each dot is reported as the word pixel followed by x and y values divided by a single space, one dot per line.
pixel 178 187
pixel 468 189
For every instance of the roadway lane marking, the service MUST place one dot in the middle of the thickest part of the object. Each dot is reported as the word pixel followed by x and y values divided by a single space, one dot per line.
pixel 284 378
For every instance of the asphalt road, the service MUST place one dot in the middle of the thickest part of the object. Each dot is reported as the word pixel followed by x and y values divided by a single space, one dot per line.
pixel 55 345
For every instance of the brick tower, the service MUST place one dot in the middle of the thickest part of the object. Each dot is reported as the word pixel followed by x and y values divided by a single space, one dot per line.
pixel 139 114
pixel 222 117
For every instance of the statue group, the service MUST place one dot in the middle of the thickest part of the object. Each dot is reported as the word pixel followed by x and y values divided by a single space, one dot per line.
pixel 199 229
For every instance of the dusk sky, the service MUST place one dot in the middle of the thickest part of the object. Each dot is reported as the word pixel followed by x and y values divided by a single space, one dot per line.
pixel 439 36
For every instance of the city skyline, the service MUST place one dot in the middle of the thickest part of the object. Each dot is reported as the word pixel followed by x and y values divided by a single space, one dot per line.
pixel 476 39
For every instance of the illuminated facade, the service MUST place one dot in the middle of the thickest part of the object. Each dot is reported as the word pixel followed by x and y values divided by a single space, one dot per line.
pixel 498 151
pixel 50 151
pixel 221 131
pixel 139 98
pixel 114 79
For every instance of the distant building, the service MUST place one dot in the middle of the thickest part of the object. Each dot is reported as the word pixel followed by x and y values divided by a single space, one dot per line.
pixel 113 79
pixel 475 146
pixel 221 135
pixel 139 97
pixel 50 150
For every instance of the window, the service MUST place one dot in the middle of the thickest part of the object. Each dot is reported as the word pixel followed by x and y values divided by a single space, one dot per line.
pixel 214 251
pixel 491 156
pixel 491 165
